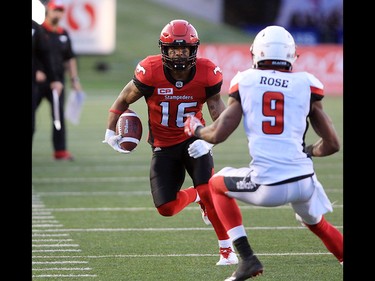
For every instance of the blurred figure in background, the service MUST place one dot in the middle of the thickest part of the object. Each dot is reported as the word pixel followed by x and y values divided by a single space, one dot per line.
pixel 325 17
pixel 65 60
pixel 41 52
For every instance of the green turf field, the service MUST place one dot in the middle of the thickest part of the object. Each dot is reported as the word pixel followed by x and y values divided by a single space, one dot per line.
pixel 93 219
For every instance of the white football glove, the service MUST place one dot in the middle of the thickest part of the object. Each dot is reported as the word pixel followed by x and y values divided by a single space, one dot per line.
pixel 199 148
pixel 191 124
pixel 112 139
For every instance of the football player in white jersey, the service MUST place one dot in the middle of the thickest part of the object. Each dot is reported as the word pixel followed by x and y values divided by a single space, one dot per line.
pixel 277 106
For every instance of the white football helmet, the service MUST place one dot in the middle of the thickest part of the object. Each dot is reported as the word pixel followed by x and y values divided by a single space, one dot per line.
pixel 274 43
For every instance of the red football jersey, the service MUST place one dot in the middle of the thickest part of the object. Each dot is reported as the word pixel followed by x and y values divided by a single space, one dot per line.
pixel 172 101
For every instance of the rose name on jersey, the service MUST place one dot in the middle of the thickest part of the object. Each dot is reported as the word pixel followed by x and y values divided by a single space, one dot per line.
pixel 274 82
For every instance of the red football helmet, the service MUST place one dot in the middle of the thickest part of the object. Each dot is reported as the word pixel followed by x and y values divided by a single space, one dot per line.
pixel 179 33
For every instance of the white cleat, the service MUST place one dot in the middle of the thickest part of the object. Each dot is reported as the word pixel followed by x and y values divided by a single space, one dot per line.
pixel 227 257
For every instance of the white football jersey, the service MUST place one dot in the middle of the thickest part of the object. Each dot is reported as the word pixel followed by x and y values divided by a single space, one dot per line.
pixel 275 108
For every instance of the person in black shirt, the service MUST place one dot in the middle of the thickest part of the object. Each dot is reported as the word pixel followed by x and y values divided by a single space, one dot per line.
pixel 65 59
pixel 41 54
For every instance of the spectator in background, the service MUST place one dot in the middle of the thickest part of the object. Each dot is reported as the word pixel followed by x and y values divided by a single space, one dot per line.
pixel 41 52
pixel 323 16
pixel 65 60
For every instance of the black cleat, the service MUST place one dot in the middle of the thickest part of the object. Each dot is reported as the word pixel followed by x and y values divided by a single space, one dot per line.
pixel 247 269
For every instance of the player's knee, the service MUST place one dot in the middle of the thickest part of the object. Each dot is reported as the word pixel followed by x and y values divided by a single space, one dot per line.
pixel 166 210
pixel 217 185
pixel 203 191
pixel 309 220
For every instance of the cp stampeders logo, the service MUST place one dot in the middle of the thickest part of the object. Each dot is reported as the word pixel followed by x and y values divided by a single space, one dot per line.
pixel 81 16
pixel 165 91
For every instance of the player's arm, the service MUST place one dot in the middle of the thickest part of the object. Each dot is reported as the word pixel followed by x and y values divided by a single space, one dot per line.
pixel 73 73
pixel 215 106
pixel 222 127
pixel 128 95
pixel 329 142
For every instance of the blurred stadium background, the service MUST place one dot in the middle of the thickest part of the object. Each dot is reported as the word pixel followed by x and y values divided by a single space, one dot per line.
pixel 111 36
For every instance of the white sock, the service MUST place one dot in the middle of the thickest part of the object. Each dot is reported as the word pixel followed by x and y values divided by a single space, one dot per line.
pixel 236 232
pixel 225 243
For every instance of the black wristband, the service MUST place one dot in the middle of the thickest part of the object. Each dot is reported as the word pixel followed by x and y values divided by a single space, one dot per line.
pixel 197 131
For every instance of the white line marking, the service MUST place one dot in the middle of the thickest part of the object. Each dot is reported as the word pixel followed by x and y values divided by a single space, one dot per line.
pixel 38 212
pixel 50 235
pixel 47 225
pixel 123 193
pixel 61 268
pixel 54 245
pixel 44 221
pixel 63 275
pixel 90 179
pixel 178 255
pixel 51 240
pixel 208 228
pixel 55 250
pixel 137 209
pixel 59 262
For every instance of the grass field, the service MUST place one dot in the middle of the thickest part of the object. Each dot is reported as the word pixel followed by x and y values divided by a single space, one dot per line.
pixel 93 219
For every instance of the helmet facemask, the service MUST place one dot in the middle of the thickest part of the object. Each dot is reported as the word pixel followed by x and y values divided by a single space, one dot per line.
pixel 178 63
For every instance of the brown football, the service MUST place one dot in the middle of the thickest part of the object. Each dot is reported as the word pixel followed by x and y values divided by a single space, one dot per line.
pixel 129 126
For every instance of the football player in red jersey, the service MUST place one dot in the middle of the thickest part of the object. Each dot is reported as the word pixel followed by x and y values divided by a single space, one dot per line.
pixel 175 84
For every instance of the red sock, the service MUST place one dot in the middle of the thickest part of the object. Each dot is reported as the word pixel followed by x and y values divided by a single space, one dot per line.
pixel 184 197
pixel 330 236
pixel 206 198
pixel 227 208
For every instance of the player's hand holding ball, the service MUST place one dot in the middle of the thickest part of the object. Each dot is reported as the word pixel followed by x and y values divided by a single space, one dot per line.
pixel 128 132
pixel 113 140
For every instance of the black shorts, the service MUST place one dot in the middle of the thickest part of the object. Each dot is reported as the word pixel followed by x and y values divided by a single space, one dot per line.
pixel 168 169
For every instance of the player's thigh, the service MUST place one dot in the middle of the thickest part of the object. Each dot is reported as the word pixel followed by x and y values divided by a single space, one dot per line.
pixel 262 195
pixel 310 206
pixel 167 174
pixel 200 169
pixel 240 187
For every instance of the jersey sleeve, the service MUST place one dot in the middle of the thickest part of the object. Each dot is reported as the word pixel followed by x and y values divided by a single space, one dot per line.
pixel 214 77
pixel 233 86
pixel 143 72
pixel 143 76
pixel 316 87
pixel 69 52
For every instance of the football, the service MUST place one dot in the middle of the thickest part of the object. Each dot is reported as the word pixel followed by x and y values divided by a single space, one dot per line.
pixel 129 126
